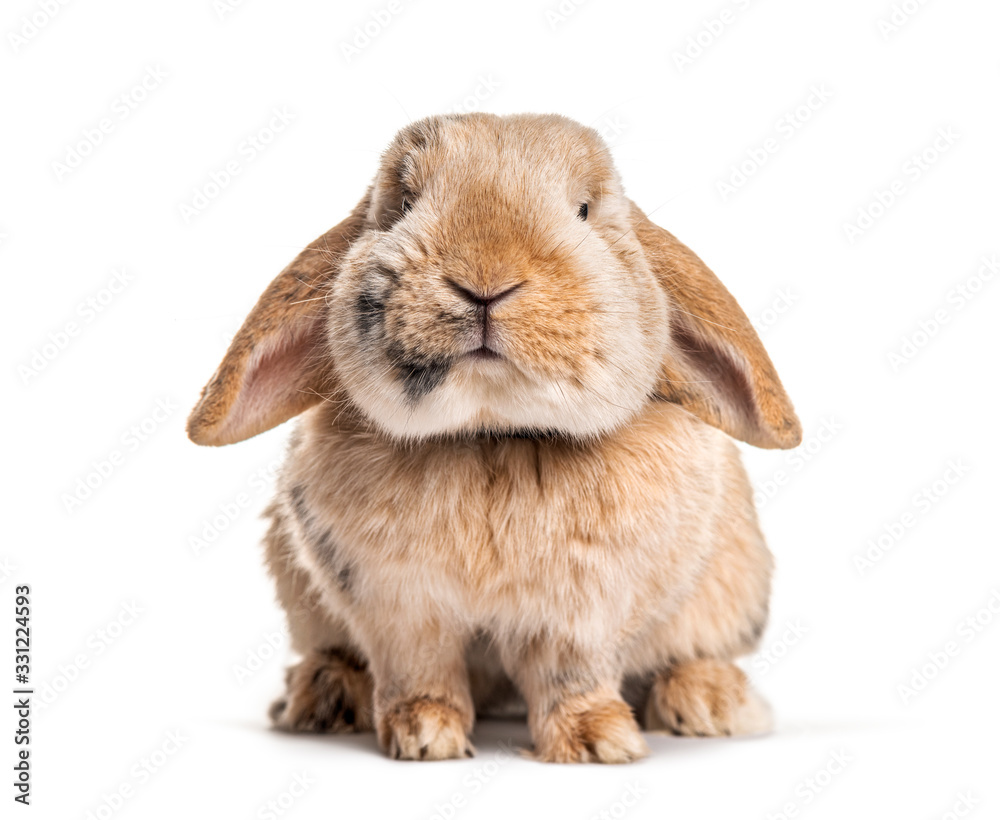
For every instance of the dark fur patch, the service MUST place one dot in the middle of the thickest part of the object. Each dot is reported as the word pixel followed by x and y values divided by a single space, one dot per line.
pixel 298 494
pixel 328 691
pixel 324 541
pixel 421 379
pixel 419 376
pixel 371 310
pixel 528 435
pixel 320 538
pixel 751 634
pixel 447 318
pixel 525 434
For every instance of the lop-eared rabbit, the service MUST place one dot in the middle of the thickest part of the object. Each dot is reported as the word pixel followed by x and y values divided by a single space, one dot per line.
pixel 512 483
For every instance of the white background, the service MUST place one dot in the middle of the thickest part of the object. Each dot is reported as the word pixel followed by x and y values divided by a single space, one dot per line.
pixel 842 639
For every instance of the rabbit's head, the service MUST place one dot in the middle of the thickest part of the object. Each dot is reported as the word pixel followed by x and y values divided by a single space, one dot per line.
pixel 495 278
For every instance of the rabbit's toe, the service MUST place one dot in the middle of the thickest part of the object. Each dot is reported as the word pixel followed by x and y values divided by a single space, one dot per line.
pixel 328 691
pixel 588 729
pixel 706 698
pixel 424 728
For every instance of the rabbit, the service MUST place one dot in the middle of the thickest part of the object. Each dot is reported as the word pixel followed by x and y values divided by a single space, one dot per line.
pixel 512 489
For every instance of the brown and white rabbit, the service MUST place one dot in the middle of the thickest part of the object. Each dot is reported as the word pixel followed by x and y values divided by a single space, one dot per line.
pixel 511 478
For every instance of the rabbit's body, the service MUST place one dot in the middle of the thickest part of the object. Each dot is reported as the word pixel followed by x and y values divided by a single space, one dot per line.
pixel 512 478
pixel 412 550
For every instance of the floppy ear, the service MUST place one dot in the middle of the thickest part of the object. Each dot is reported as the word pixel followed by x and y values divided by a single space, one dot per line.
pixel 716 366
pixel 274 369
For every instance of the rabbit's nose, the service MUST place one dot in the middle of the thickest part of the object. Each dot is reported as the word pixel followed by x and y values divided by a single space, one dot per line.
pixel 480 298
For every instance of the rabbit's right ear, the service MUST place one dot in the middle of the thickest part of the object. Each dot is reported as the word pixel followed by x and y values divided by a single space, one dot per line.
pixel 716 367
pixel 274 368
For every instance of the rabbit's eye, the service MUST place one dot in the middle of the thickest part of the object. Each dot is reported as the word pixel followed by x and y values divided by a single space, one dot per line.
pixel 407 206
pixel 582 211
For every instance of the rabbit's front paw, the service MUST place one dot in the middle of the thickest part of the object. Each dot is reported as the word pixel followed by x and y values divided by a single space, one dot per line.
pixel 328 691
pixel 706 698
pixel 424 728
pixel 590 729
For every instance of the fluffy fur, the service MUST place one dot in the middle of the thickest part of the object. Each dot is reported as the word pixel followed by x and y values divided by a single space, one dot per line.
pixel 511 486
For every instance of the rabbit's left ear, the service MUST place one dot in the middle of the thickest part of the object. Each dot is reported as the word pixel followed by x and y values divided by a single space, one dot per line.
pixel 275 367
pixel 716 367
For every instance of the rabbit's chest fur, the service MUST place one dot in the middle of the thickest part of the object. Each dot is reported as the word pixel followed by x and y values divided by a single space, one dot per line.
pixel 498 531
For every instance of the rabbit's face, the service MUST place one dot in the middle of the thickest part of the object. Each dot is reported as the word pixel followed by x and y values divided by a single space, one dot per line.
pixel 494 278
pixel 499 286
